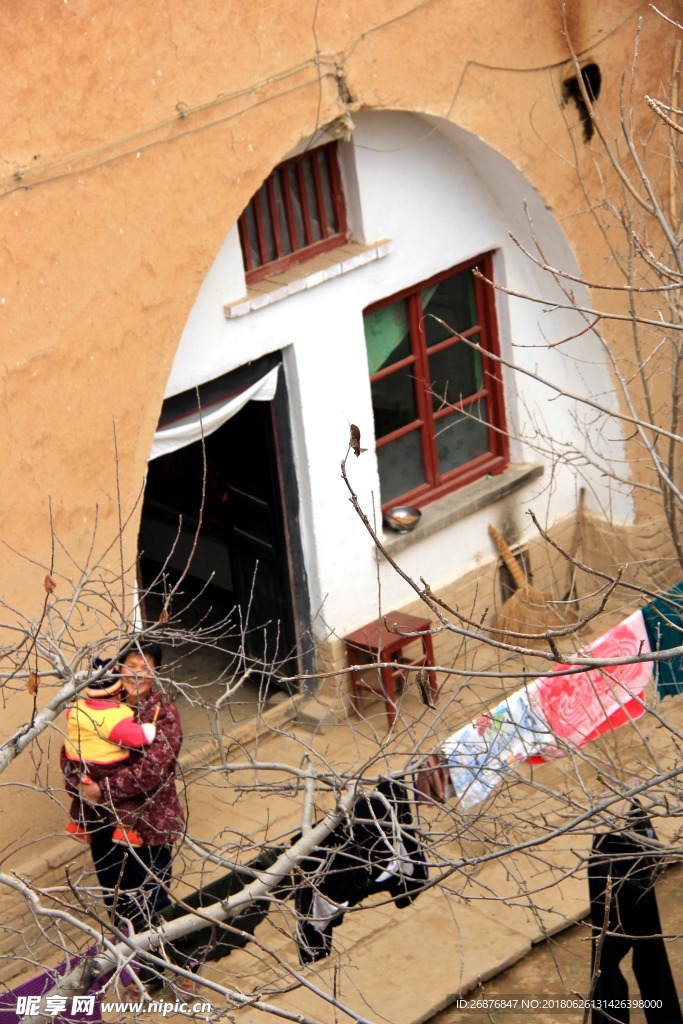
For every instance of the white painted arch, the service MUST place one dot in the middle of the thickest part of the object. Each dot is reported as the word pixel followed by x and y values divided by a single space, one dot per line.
pixel 441 196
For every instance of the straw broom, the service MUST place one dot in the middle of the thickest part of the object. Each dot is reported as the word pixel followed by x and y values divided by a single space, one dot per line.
pixel 529 609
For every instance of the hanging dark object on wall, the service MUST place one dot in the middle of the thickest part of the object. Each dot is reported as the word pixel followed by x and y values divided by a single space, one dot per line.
pixel 591 77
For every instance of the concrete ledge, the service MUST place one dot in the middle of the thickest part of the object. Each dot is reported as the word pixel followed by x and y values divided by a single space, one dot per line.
pixel 454 507
pixel 410 981
pixel 259 727
pixel 305 276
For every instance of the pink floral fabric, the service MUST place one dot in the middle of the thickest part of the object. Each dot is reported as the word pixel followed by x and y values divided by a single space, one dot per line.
pixel 551 716
pixel 581 706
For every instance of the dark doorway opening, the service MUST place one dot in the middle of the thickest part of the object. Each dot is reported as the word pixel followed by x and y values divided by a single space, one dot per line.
pixel 241 553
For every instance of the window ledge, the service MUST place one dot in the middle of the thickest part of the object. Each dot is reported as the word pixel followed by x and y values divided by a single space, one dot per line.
pixel 307 275
pixel 468 500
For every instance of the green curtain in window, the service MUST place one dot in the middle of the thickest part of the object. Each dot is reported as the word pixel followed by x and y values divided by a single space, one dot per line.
pixel 386 328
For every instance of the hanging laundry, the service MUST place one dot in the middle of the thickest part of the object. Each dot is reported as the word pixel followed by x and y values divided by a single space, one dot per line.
pixel 552 715
pixel 219 938
pixel 633 923
pixel 581 706
pixel 664 623
pixel 376 850
pixel 430 781
pixel 481 753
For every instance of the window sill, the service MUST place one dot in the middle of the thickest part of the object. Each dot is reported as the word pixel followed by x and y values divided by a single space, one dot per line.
pixel 307 275
pixel 465 502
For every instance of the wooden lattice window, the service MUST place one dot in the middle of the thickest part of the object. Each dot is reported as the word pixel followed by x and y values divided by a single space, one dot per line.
pixel 437 396
pixel 298 212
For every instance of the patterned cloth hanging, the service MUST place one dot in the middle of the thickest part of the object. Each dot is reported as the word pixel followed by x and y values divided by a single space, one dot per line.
pixel 481 753
pixel 583 705
pixel 551 716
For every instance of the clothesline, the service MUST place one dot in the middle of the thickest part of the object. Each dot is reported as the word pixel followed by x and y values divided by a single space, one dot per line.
pixel 550 717
pixel 560 712
pixel 375 851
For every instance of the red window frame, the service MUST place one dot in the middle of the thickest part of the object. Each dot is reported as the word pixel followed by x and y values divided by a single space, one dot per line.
pixel 496 459
pixel 279 226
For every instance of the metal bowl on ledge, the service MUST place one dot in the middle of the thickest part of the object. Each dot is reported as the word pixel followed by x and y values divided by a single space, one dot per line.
pixel 402 518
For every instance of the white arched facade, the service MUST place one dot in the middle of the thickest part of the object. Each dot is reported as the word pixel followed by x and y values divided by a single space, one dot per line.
pixel 430 196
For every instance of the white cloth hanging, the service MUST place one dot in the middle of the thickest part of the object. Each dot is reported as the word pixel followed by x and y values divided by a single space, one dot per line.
pixel 202 423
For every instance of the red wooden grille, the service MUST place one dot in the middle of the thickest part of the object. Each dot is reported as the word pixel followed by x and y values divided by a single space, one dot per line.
pixel 298 212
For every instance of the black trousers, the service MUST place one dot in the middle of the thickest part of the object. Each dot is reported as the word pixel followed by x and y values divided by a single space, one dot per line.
pixel 633 924
pixel 134 883
pixel 134 880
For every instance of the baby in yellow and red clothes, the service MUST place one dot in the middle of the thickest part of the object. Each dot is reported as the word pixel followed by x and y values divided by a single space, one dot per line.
pixel 100 733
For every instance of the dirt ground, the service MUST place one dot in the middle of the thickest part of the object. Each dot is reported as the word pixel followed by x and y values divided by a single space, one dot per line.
pixel 560 968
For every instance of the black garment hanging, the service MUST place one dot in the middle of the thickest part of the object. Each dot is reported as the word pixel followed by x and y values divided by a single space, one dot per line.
pixel 377 850
pixel 219 938
pixel 633 923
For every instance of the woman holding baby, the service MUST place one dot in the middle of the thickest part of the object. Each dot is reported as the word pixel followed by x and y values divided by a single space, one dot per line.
pixel 133 864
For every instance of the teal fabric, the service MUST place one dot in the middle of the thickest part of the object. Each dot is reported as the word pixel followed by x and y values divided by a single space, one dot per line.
pixel 664 624
pixel 387 328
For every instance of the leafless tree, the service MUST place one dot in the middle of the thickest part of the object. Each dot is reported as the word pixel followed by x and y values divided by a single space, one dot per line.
pixel 89 610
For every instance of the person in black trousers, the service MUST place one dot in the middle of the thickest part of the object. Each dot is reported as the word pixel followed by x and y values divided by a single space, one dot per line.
pixel 632 924
pixel 135 878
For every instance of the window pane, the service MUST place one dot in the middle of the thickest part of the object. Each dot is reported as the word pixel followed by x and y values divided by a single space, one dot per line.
pixel 298 207
pixel 454 373
pixel 293 184
pixel 460 437
pixel 326 184
pixel 452 301
pixel 252 234
pixel 309 185
pixel 401 467
pixel 261 199
pixel 281 215
pixel 393 401
pixel 387 335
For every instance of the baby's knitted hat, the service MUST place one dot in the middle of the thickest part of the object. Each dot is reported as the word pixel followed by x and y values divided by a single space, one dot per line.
pixel 107 685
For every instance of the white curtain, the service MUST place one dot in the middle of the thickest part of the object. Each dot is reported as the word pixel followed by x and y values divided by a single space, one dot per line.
pixel 201 424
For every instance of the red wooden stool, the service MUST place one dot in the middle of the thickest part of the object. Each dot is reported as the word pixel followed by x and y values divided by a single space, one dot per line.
pixel 375 643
